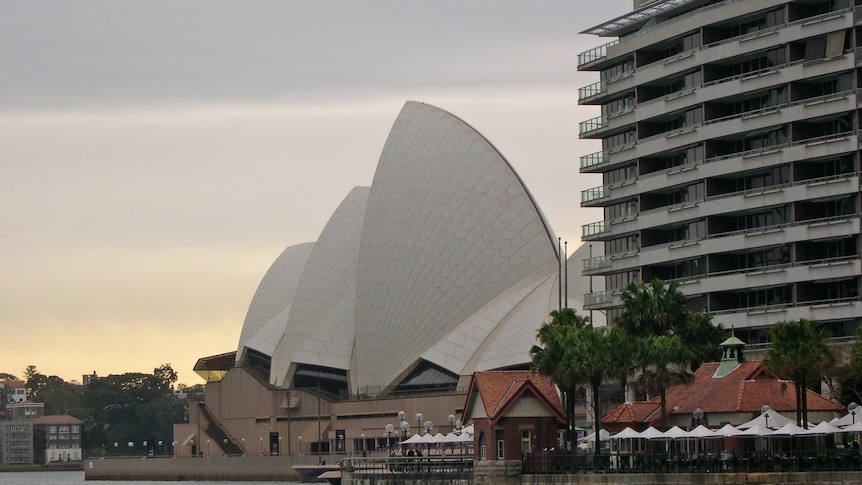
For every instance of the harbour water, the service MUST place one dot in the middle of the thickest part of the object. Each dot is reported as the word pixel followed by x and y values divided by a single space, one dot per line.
pixel 77 478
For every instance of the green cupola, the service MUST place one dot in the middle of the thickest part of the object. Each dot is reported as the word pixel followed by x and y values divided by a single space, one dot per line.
pixel 731 356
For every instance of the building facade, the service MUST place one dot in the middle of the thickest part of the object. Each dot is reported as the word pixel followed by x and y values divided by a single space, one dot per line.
pixel 62 434
pixel 16 442
pixel 730 159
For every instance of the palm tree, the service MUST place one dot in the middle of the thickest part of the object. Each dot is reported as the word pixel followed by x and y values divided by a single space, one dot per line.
pixel 597 354
pixel 653 309
pixel 663 363
pixel 552 359
pixel 659 308
pixel 799 352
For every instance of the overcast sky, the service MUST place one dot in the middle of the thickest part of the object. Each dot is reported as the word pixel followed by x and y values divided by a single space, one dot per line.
pixel 158 156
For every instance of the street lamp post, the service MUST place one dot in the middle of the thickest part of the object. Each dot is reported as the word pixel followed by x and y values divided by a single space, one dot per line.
pixel 419 422
pixel 299 438
pixel 851 408
pixel 362 437
pixel 451 419
pixel 389 429
pixel 405 428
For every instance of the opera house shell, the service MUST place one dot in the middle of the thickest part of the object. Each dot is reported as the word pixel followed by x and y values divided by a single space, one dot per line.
pixel 443 267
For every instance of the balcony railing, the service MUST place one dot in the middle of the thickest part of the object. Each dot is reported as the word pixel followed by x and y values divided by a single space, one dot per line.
pixel 599 262
pixel 593 124
pixel 592 159
pixel 591 90
pixel 595 54
pixel 594 228
pixel 598 298
pixel 592 194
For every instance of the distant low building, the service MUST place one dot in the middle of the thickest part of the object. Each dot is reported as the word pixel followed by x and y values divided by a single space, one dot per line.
pixel 16 391
pixel 16 442
pixel 62 437
pixel 24 411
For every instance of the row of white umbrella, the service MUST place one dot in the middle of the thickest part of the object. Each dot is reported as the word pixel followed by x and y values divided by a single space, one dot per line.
pixel 728 431
pixel 465 436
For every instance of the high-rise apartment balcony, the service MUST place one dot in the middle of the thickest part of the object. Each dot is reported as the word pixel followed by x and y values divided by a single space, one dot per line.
pixel 593 229
pixel 595 264
pixel 590 91
pixel 592 160
pixel 593 194
pixel 593 55
pixel 592 125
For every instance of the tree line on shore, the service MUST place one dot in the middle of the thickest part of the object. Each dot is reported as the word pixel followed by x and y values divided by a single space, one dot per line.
pixel 117 409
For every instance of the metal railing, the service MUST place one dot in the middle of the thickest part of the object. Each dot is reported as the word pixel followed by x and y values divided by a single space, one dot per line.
pixel 596 53
pixel 592 159
pixel 428 467
pixel 594 228
pixel 592 194
pixel 592 124
pixel 591 90
pixel 828 459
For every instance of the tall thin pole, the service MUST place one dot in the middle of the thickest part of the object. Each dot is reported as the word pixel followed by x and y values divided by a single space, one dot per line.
pixel 560 275
pixel 591 285
pixel 319 435
pixel 566 262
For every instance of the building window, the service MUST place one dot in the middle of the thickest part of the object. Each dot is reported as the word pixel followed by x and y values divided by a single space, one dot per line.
pixel 526 441
pixel 501 449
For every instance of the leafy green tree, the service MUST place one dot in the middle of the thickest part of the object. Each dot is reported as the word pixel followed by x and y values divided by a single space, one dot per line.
pixel 799 351
pixel 5 376
pixel 849 375
pixel 132 407
pixel 663 363
pixel 59 396
pixel 552 359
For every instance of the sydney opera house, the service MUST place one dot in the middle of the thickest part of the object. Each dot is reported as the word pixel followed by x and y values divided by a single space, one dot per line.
pixel 443 267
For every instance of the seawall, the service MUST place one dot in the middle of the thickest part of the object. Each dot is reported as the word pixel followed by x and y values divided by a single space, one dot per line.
pixel 237 468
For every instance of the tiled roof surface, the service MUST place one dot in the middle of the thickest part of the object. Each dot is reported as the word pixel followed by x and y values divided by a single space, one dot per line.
pixel 633 413
pixel 499 389
pixel 13 384
pixel 744 390
pixel 57 419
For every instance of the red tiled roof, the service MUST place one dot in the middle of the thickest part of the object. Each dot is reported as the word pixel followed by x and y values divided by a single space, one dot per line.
pixel 744 390
pixel 14 384
pixel 500 389
pixel 57 419
pixel 633 414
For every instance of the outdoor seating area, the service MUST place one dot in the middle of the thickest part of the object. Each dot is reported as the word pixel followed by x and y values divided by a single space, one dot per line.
pixel 769 443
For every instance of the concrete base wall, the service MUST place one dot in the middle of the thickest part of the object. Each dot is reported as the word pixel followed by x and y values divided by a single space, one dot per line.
pixel 796 478
pixel 238 468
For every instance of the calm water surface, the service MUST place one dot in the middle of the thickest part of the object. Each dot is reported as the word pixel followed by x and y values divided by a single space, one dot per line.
pixel 77 478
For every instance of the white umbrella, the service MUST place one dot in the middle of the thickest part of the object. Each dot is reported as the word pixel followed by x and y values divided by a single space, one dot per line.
pixel 845 420
pixel 823 428
pixel 853 428
pixel 728 431
pixel 789 429
pixel 412 440
pixel 769 419
pixel 651 434
pixel 703 432
pixel 625 434
pixel 756 430
pixel 675 433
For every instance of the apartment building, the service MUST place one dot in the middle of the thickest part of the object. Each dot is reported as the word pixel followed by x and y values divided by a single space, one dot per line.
pixel 730 158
